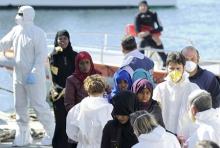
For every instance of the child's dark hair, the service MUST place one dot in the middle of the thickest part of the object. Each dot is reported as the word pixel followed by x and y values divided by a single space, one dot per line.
pixel 143 2
pixel 175 57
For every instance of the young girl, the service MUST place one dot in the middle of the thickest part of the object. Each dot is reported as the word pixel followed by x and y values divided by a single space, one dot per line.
pixel 118 133
pixel 86 120
pixel 122 82
pixel 144 91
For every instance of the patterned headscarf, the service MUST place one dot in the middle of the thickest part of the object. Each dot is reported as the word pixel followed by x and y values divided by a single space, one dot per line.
pixel 140 84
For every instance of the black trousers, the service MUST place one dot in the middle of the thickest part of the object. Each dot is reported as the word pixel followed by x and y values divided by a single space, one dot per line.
pixel 148 41
pixel 60 139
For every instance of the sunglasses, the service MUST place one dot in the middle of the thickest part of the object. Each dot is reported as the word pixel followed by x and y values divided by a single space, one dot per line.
pixel 20 14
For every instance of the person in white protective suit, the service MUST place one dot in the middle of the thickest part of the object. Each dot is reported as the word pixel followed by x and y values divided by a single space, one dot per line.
pixel 172 95
pixel 29 44
pixel 86 120
pixel 206 119
pixel 150 133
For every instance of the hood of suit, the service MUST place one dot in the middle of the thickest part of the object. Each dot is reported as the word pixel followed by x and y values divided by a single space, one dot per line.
pixel 25 15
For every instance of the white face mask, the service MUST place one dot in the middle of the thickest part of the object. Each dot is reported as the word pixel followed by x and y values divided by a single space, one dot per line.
pixel 19 20
pixel 190 66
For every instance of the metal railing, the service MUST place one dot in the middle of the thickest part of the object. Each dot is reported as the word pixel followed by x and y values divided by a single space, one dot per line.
pixel 109 43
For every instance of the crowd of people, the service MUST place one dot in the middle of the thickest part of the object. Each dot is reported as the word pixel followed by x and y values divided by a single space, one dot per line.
pixel 181 111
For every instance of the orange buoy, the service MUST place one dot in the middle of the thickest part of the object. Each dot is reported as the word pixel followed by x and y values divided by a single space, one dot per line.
pixel 130 30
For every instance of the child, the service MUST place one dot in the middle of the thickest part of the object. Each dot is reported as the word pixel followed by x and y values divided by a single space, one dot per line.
pixel 118 133
pixel 122 82
pixel 144 91
pixel 86 120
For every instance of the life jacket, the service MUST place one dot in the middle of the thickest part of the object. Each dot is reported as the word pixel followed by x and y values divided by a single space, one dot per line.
pixel 130 30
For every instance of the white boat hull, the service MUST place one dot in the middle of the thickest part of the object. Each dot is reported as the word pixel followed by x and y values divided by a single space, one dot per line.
pixel 85 3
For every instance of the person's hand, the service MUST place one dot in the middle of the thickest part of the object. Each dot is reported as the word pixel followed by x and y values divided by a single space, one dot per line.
pixel 31 78
pixel 143 34
pixel 108 89
pixel 7 62
pixel 156 39
pixel 182 141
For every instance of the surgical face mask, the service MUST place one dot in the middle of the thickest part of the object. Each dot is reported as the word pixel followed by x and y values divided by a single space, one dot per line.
pixel 19 19
pixel 175 76
pixel 190 66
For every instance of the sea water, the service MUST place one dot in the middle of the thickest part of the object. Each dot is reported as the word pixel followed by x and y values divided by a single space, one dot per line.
pixel 191 22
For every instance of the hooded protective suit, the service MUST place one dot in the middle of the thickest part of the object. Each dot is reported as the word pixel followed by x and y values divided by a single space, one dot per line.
pixel 157 138
pixel 29 44
pixel 173 98
pixel 86 120
pixel 206 127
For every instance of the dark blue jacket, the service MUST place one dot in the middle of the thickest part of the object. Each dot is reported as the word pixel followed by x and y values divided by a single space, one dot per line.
pixel 208 81
pixel 146 63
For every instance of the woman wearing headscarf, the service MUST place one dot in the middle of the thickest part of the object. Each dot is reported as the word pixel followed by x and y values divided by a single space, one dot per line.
pixel 122 82
pixel 144 91
pixel 75 91
pixel 61 66
pixel 118 133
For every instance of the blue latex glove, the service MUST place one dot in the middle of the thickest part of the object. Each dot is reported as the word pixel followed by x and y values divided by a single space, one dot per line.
pixel 31 78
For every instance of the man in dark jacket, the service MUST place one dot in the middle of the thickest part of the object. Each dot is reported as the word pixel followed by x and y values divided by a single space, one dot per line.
pixel 118 133
pixel 203 78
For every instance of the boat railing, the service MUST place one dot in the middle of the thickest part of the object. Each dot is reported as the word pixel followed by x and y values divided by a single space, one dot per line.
pixel 103 44
pixel 108 46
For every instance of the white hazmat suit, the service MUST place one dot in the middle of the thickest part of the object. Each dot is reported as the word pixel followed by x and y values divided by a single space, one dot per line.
pixel 86 120
pixel 173 98
pixel 29 44
pixel 158 138
pixel 207 128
